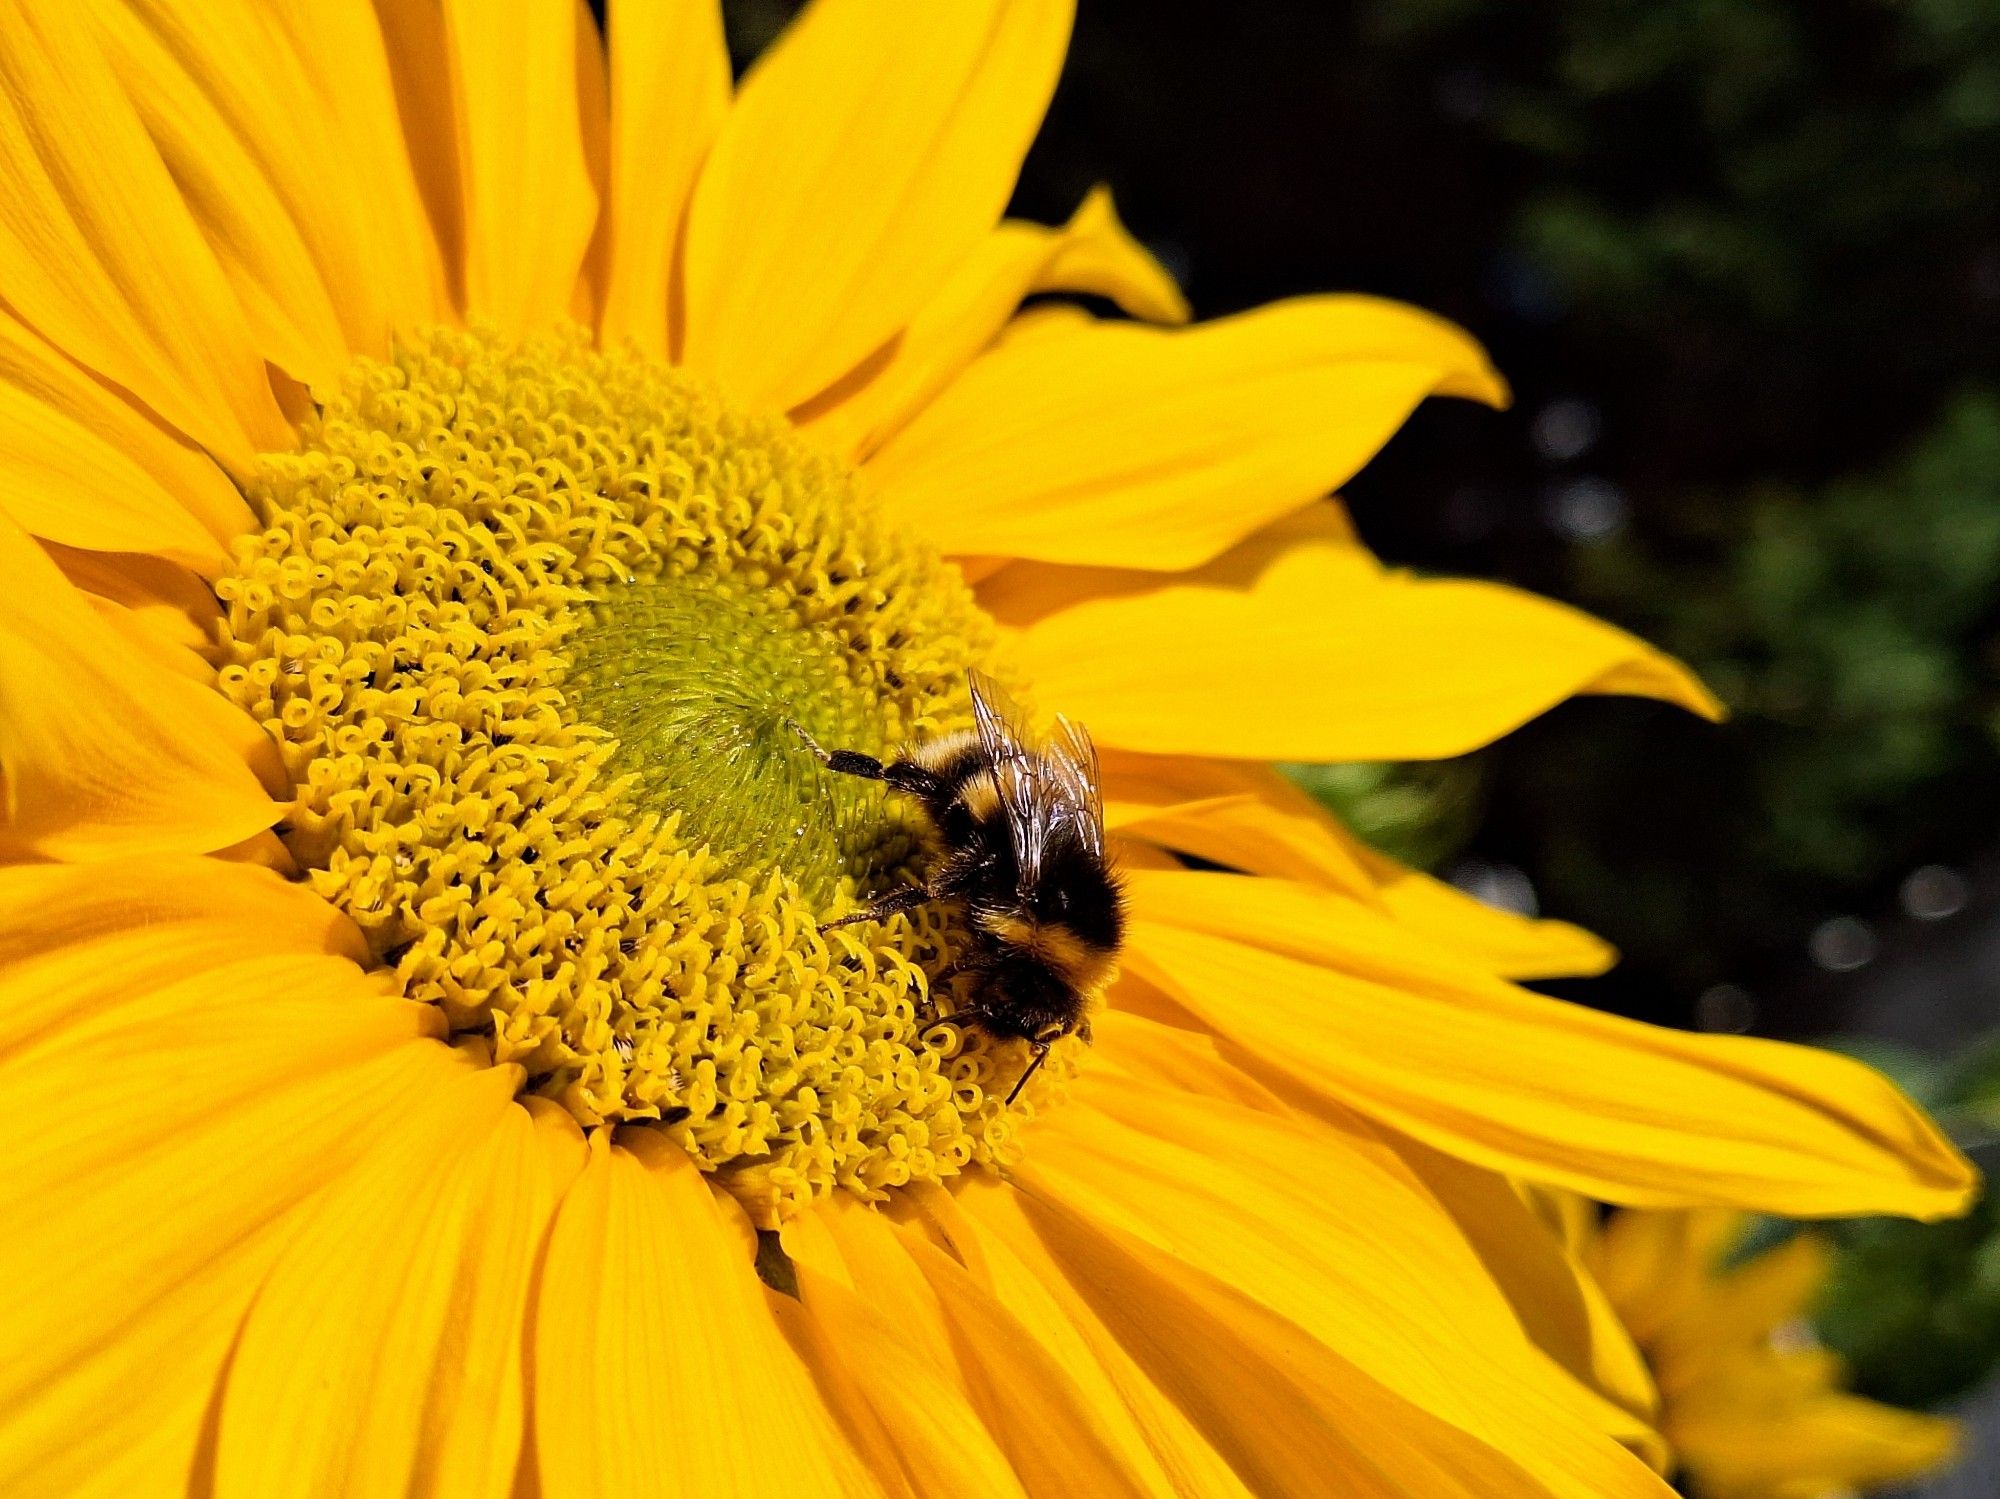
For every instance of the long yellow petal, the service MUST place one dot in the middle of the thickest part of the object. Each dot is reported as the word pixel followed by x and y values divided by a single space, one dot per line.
pixel 1053 1439
pixel 1097 256
pixel 1118 445
pixel 1347 1005
pixel 1560 1305
pixel 1833 1444
pixel 869 151
pixel 884 1357
pixel 417 51
pixel 225 105
pixel 670 90
pixel 1156 1441
pixel 1247 817
pixel 1234 813
pixel 1299 646
pixel 1091 253
pixel 1505 944
pixel 299 184
pixel 1287 1411
pixel 383 1355
pixel 103 755
pixel 1329 1229
pixel 98 252
pixel 155 1221
pixel 349 66
pixel 988 1229
pixel 169 603
pixel 528 206
pixel 80 464
pixel 78 941
pixel 657 1368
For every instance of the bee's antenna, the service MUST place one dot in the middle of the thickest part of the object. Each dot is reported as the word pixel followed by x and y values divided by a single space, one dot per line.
pixel 1041 1053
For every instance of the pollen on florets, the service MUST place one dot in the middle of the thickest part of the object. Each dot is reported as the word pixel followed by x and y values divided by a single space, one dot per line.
pixel 531 624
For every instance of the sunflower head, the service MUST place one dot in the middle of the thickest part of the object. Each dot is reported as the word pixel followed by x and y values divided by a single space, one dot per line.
pixel 531 624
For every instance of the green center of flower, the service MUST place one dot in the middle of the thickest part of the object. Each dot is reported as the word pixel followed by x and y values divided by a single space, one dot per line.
pixel 532 626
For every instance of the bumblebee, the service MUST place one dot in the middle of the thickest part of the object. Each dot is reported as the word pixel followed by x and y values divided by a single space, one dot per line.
pixel 1020 830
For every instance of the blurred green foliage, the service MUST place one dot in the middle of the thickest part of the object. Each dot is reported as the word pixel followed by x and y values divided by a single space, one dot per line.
pixel 1421 814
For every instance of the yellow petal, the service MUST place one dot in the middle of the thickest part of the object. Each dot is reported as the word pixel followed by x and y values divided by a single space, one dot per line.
pixel 348 65
pixel 980 1222
pixel 1090 253
pixel 1740 1308
pixel 155 1220
pixel 98 251
pixel 1832 1444
pixel 102 754
pixel 279 125
pixel 989 1230
pixel 1116 445
pixel 1298 646
pixel 159 466
pixel 884 1358
pixel 1287 1411
pixel 1241 815
pixel 669 93
pixel 1654 1266
pixel 1097 256
pixel 417 51
pixel 238 124
pixel 1056 1443
pixel 80 464
pixel 166 600
pixel 1247 817
pixel 593 112
pixel 79 940
pixel 657 1368
pixel 528 205
pixel 1560 1306
pixel 384 1353
pixel 867 154
pixel 1328 1229
pixel 1505 944
pixel 1348 1006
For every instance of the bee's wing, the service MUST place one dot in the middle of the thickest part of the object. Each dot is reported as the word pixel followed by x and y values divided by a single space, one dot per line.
pixel 998 717
pixel 1072 764
pixel 1016 771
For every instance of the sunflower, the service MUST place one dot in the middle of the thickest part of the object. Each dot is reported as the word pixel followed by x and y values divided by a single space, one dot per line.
pixel 1752 1406
pixel 445 450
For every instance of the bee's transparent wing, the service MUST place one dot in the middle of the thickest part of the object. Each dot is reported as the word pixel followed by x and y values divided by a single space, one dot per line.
pixel 1027 790
pixel 1073 769
pixel 998 717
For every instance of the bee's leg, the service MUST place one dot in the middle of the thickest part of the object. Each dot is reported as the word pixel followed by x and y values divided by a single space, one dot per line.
pixel 1040 1056
pixel 884 906
pixel 901 774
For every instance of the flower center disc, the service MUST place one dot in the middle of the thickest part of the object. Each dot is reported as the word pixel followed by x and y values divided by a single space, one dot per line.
pixel 531 625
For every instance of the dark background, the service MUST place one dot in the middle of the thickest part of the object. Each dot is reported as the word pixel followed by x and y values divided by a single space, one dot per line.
pixel 1741 261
